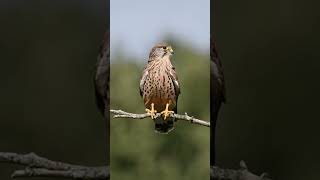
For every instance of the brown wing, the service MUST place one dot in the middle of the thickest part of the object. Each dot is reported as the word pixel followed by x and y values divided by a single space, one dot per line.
pixel 175 81
pixel 143 80
pixel 176 84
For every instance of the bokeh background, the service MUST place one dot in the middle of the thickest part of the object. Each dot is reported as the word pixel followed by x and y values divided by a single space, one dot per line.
pixel 270 53
pixel 48 52
pixel 137 152
pixel 137 25
pixel 269 50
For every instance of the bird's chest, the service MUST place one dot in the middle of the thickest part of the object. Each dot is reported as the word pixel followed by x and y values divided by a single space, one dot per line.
pixel 160 83
pixel 159 88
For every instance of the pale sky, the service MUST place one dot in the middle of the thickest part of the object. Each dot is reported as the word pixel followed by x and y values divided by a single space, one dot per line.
pixel 136 25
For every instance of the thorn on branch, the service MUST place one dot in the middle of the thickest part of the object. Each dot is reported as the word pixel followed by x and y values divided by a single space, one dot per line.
pixel 243 165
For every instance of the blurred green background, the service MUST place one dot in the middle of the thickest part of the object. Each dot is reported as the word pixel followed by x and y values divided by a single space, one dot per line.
pixel 137 152
pixel 270 53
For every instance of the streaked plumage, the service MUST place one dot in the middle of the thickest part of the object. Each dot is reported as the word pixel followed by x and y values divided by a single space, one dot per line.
pixel 159 85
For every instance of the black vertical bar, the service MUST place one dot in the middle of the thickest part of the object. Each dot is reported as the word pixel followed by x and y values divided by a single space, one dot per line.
pixel 102 81
pixel 217 85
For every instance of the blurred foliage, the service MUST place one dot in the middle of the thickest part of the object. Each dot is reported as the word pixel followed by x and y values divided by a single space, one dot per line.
pixel 137 152
pixel 270 54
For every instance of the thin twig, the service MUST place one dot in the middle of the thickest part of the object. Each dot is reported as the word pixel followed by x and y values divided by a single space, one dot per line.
pixel 243 173
pixel 185 117
pixel 37 166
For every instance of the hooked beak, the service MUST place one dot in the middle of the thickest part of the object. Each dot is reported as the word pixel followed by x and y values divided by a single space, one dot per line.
pixel 170 50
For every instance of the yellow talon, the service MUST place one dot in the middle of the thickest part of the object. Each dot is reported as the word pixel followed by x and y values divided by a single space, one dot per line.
pixel 152 112
pixel 166 112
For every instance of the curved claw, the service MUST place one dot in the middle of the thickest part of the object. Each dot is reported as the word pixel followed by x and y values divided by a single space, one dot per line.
pixel 166 112
pixel 151 112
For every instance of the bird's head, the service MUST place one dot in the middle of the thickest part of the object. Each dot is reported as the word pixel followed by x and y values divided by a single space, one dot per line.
pixel 161 50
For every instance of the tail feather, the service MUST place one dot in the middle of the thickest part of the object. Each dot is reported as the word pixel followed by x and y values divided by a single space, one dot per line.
pixel 164 126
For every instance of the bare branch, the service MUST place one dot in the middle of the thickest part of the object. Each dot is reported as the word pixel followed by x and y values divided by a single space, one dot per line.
pixel 37 166
pixel 185 117
pixel 243 173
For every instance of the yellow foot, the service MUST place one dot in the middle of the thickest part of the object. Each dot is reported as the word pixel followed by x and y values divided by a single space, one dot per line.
pixel 166 113
pixel 152 112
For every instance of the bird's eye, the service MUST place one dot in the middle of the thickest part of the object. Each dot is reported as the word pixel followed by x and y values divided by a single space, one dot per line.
pixel 164 47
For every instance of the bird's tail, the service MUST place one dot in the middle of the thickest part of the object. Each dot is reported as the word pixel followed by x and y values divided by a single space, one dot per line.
pixel 164 126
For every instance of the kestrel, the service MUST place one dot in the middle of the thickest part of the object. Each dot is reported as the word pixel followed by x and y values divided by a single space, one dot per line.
pixel 159 87
pixel 217 95
pixel 101 85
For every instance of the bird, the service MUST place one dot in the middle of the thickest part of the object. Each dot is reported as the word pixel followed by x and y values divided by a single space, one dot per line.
pixel 160 88
pixel 102 76
pixel 101 86
pixel 217 94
